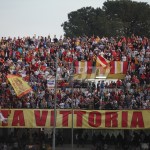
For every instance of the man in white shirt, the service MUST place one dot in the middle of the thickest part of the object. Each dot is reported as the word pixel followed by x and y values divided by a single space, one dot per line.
pixel 124 58
pixel 62 105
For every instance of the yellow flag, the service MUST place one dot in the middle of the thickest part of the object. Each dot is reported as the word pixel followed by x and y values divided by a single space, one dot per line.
pixel 20 86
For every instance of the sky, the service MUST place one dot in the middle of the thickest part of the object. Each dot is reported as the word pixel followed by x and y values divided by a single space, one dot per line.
pixel 41 17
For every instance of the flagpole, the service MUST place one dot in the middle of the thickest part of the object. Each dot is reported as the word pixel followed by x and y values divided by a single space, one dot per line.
pixel 55 99
pixel 72 105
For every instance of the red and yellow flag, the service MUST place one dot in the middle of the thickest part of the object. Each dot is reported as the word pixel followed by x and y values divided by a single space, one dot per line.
pixel 118 67
pixel 102 61
pixel 20 86
pixel 118 70
pixel 84 70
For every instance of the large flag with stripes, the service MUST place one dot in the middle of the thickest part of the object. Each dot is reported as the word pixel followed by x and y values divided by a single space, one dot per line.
pixel 84 70
pixel 118 69
pixel 83 67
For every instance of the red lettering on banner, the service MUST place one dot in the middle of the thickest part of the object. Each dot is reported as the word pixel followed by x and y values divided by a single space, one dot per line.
pixel 137 120
pixel 94 119
pixel 5 113
pixel 52 118
pixel 124 119
pixel 111 119
pixel 40 119
pixel 65 117
pixel 83 118
pixel 18 118
pixel 79 117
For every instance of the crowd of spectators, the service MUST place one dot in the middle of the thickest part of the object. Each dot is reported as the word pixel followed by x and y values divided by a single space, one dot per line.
pixel 34 58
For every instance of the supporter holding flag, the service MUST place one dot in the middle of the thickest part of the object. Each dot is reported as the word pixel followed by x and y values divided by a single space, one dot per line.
pixel 102 66
pixel 20 86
